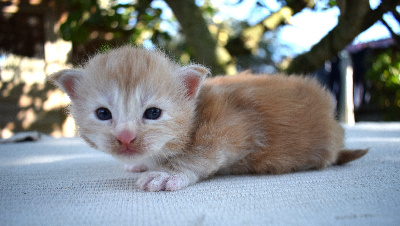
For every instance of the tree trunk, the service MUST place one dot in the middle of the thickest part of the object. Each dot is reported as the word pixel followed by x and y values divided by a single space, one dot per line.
pixel 198 37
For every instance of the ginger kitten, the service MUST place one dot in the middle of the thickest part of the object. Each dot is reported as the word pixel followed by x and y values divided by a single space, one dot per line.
pixel 168 120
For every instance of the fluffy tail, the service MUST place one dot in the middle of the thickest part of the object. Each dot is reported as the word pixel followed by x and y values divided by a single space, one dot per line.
pixel 346 156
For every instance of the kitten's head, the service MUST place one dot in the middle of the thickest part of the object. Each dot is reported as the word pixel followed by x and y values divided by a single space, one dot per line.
pixel 133 103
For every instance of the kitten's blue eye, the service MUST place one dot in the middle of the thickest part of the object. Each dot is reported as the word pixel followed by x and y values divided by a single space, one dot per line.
pixel 152 113
pixel 103 114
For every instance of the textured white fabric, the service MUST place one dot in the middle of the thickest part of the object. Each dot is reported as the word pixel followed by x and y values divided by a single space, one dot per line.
pixel 64 182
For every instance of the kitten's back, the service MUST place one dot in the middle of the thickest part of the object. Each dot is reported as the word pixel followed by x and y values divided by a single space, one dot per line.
pixel 295 116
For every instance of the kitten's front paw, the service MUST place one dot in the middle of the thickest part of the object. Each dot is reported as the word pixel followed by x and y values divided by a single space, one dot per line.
pixel 135 168
pixel 162 181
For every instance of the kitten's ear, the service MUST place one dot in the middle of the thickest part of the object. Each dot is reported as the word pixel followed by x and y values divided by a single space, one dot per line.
pixel 67 81
pixel 192 77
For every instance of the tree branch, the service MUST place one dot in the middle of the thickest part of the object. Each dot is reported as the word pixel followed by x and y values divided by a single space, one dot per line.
pixel 392 33
pixel 357 18
pixel 395 14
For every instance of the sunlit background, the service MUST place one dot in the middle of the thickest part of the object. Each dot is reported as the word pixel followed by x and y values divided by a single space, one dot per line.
pixel 39 37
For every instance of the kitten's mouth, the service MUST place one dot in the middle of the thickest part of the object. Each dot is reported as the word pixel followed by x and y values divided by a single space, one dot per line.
pixel 128 151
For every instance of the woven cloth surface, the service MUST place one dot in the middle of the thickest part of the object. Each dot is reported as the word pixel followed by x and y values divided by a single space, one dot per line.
pixel 64 182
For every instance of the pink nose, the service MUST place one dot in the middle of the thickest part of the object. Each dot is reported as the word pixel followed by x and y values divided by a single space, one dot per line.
pixel 126 137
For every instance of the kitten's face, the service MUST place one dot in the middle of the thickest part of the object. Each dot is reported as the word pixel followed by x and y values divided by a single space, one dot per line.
pixel 133 103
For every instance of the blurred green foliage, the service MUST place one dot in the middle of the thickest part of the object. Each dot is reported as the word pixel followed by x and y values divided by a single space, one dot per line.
pixel 385 77
pixel 111 21
pixel 104 24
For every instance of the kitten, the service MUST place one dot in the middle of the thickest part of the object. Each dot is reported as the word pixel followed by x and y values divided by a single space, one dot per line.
pixel 157 116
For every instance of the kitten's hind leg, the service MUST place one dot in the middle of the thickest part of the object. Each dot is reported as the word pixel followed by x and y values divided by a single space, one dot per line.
pixel 135 168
